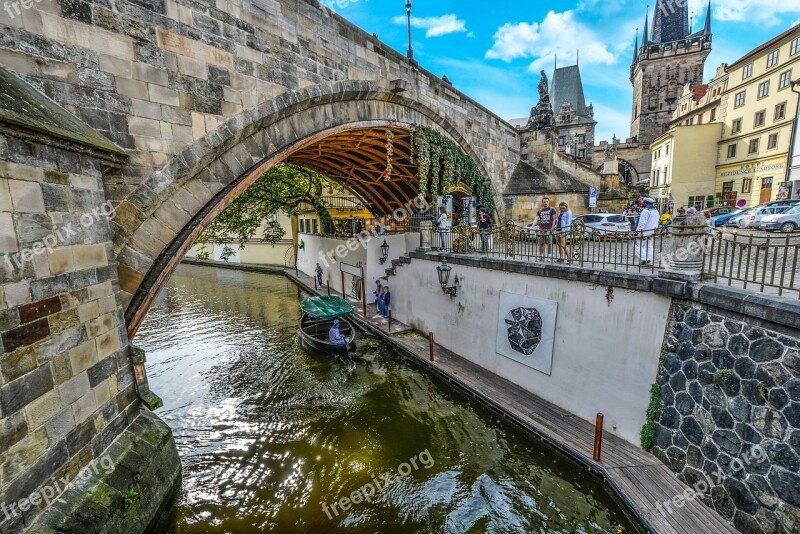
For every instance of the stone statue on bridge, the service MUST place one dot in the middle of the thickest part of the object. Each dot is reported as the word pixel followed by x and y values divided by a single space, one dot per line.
pixel 542 114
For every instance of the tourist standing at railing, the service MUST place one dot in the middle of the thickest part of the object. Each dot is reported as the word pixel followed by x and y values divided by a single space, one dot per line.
pixel 563 224
pixel 386 299
pixel 485 228
pixel 318 272
pixel 648 222
pixel 441 224
pixel 546 219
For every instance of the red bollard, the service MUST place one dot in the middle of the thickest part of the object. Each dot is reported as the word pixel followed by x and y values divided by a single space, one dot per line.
pixel 390 322
pixel 598 437
pixel 329 288
pixel 430 340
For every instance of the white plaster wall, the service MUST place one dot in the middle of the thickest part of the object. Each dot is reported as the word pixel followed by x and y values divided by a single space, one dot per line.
pixel 367 252
pixel 605 355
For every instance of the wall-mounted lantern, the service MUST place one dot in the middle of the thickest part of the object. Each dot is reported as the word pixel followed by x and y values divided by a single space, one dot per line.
pixel 384 251
pixel 443 271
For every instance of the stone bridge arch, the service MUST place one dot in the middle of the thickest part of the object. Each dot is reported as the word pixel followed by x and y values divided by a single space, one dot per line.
pixel 158 222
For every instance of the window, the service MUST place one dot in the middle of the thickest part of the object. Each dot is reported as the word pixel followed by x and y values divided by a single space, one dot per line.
pixel 747 185
pixel 700 119
pixel 699 202
pixel 780 111
pixel 581 153
pixel 772 58
pixel 763 89
pixel 752 148
pixel 316 227
pixel 562 140
pixel 785 80
pixel 728 194
pixel 666 174
pixel 736 127
pixel 713 115
pixel 795 48
pixel 666 150
pixel 747 71
pixel 581 139
pixel 759 119
pixel 772 142
pixel 766 183
pixel 732 151
pixel 738 100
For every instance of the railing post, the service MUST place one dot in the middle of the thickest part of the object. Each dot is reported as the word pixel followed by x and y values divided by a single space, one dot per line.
pixel 430 343
pixel 425 235
pixel 389 328
pixel 598 436
pixel 363 293
pixel 687 250
pixel 329 287
pixel 343 295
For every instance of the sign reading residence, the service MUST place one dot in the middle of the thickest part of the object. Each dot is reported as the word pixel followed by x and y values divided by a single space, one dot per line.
pixel 752 168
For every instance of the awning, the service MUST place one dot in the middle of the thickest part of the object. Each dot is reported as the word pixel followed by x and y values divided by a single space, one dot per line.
pixel 325 307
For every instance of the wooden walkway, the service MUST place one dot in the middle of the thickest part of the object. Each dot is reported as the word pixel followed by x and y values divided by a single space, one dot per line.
pixel 640 479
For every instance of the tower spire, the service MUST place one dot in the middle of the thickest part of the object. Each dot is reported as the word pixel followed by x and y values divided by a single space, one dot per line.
pixel 636 47
pixel 578 57
pixel 644 34
pixel 707 27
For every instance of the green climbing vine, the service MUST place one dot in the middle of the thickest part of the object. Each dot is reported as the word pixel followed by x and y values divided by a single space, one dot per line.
pixel 441 163
pixel 649 428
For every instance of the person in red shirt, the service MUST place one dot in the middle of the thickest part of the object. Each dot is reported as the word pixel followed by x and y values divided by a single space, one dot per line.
pixel 546 219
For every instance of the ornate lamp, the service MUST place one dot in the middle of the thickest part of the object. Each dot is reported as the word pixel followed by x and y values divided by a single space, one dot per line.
pixel 384 251
pixel 443 271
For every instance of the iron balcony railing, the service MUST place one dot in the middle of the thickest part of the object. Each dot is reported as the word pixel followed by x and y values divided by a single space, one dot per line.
pixel 756 261
pixel 579 245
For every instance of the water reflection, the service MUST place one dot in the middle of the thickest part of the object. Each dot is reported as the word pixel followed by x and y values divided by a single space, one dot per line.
pixel 268 433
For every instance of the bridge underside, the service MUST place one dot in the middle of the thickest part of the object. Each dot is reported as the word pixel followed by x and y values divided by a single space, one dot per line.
pixel 357 159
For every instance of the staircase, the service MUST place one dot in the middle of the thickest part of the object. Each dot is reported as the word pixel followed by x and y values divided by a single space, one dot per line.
pixel 405 258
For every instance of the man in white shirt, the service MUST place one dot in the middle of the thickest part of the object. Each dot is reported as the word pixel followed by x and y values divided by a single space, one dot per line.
pixel 648 222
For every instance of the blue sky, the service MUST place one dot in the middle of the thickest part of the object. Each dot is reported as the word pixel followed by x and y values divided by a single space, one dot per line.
pixel 493 50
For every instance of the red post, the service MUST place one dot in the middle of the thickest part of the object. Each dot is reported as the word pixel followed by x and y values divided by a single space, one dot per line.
pixel 343 295
pixel 315 280
pixel 430 340
pixel 363 293
pixel 329 287
pixel 598 436
pixel 390 322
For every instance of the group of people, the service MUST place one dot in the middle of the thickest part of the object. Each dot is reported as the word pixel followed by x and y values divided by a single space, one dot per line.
pixel 383 298
pixel 553 227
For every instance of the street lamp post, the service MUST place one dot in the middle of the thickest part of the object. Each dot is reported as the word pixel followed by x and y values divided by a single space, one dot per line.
pixel 410 52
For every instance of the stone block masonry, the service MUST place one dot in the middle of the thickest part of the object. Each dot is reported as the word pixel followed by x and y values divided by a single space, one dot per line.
pixel 729 422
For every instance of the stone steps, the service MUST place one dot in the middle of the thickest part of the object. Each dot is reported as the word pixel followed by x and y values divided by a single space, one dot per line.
pixel 402 260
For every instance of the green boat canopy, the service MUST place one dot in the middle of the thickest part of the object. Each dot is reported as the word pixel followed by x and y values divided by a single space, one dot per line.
pixel 325 307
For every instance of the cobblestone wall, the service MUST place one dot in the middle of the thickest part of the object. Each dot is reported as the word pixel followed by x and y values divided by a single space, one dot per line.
pixel 729 424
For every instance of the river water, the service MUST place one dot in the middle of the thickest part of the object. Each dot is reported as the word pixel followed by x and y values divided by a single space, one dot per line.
pixel 272 438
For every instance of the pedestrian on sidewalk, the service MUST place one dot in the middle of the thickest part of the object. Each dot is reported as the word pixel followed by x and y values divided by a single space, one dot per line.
pixel 648 222
pixel 563 225
pixel 387 300
pixel 485 228
pixel 318 272
pixel 378 294
pixel 546 220
pixel 441 225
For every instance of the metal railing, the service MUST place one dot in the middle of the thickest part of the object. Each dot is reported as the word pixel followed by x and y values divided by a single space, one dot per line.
pixel 766 263
pixel 578 245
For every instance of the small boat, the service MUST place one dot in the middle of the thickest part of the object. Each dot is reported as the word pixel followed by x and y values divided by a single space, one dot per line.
pixel 317 320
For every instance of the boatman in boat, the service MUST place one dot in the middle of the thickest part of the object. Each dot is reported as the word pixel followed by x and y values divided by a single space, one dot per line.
pixel 335 336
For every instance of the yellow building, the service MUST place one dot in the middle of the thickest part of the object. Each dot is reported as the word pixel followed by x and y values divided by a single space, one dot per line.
pixel 757 110
pixel 684 160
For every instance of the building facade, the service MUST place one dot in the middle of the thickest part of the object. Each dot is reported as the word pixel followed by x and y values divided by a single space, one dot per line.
pixel 758 110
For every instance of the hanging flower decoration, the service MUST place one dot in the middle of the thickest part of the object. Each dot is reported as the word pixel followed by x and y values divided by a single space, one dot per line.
pixel 441 163
pixel 389 154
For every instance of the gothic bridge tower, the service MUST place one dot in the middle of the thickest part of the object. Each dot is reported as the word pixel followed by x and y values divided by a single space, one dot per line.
pixel 668 57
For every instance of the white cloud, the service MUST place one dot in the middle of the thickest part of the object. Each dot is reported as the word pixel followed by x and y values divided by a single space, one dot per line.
pixel 763 13
pixel 558 33
pixel 435 26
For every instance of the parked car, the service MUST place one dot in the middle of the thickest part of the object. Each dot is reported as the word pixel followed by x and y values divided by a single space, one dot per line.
pixel 605 223
pixel 786 202
pixel 786 222
pixel 528 232
pixel 752 217
pixel 720 220
pixel 721 210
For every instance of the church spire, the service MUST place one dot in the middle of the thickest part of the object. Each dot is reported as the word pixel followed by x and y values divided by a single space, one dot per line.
pixel 707 28
pixel 636 48
pixel 670 22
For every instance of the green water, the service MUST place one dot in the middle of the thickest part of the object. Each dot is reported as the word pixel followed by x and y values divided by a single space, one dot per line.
pixel 269 433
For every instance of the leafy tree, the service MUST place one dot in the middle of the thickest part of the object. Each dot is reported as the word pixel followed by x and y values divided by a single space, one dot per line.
pixel 281 189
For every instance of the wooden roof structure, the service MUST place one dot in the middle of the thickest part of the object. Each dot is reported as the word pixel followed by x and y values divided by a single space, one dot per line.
pixel 356 159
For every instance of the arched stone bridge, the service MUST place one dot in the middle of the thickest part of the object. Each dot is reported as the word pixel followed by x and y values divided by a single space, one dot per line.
pixel 203 98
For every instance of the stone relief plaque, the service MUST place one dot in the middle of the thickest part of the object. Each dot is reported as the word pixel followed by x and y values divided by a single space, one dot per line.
pixel 526 330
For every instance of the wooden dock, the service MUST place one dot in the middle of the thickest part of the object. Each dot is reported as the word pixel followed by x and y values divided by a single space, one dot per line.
pixel 640 479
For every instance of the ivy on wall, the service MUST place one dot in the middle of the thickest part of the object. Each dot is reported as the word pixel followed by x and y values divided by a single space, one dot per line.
pixel 441 163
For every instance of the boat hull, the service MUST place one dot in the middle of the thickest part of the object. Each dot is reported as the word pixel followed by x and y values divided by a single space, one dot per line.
pixel 314 335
